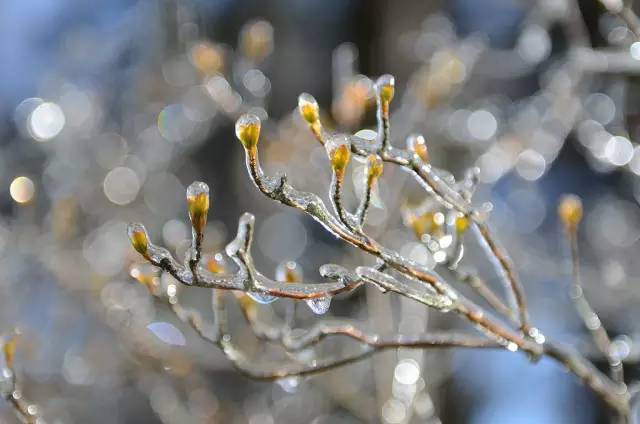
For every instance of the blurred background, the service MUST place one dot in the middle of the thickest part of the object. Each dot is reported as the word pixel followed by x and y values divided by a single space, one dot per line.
pixel 109 110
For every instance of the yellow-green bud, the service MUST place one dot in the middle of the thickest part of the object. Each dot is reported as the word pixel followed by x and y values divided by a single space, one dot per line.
pixel 374 167
pixel 417 144
pixel 308 108
pixel 198 205
pixel 339 152
pixel 248 130
pixel 139 238
pixel 385 88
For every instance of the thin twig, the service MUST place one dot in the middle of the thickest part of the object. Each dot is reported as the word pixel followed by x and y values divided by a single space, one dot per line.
pixel 588 315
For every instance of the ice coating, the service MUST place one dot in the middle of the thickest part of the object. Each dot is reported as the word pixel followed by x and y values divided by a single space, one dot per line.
pixel 198 204
pixel 417 144
pixel 308 107
pixel 385 87
pixel 139 237
pixel 248 130
pixel 320 305
pixel 339 151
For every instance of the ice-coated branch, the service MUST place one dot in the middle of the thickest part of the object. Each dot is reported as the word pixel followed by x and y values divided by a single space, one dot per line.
pixel 373 173
pixel 505 269
pixel 323 330
pixel 339 154
pixel 570 212
pixel 415 161
pixel 478 284
pixel 247 278
pixel 531 341
pixel 615 395
pixel 371 342
pixel 278 189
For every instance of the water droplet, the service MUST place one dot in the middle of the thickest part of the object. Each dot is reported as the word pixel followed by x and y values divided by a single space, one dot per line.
pixel 167 333
pixel 319 305
pixel 262 298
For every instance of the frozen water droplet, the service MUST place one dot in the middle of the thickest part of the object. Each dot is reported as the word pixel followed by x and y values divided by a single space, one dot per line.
pixel 319 305
pixel 247 119
pixel 168 333
pixel 262 298
pixel 336 141
pixel 384 81
pixel 196 188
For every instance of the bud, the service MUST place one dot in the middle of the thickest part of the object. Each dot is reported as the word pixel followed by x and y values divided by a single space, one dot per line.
pixel 374 167
pixel 9 350
pixel 248 130
pixel 570 211
pixel 289 272
pixel 339 152
pixel 308 108
pixel 385 88
pixel 417 144
pixel 198 205
pixel 462 224
pixel 139 238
